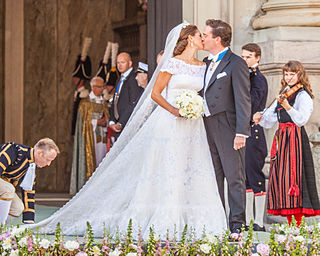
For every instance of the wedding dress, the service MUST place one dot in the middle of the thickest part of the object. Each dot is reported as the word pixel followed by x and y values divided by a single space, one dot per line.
pixel 162 178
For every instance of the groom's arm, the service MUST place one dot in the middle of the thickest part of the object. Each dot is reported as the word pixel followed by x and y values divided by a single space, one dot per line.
pixel 242 100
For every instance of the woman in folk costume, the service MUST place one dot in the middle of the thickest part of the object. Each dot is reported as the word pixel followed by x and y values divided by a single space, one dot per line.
pixel 292 187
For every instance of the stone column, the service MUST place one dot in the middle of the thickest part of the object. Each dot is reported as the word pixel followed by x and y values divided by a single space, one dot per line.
pixel 288 13
pixel 289 30
pixel 315 140
pixel 14 52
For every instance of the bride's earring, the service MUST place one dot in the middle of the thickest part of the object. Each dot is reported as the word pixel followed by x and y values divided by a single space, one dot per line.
pixel 192 44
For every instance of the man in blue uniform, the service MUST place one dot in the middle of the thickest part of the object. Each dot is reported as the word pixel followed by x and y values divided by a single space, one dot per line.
pixel 256 148
pixel 17 166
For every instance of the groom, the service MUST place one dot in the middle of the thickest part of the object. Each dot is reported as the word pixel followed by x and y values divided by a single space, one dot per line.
pixel 227 103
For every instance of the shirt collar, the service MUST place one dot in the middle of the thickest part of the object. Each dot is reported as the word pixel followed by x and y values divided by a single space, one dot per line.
pixel 125 74
pixel 255 66
pixel 92 96
pixel 215 57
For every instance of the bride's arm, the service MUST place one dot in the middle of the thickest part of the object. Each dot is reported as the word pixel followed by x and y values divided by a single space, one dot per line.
pixel 161 82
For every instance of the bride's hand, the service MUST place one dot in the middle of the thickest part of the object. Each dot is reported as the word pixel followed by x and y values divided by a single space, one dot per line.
pixel 175 112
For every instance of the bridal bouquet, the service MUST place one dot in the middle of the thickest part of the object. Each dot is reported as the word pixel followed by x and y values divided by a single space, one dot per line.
pixel 190 104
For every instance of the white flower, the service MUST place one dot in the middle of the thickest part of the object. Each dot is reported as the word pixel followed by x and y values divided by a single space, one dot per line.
pixel 256 254
pixel 281 239
pixel 7 243
pixel 44 243
pixel 190 104
pixel 205 248
pixel 263 249
pixel 132 254
pixel 17 231
pixel 71 245
pixel 133 246
pixel 81 254
pixel 116 252
pixel 299 239
pixel 14 253
pixel 23 242
pixel 96 250
pixel 212 239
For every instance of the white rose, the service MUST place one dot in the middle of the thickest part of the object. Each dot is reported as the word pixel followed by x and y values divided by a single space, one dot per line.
pixel 205 248
pixel 23 242
pixel 45 243
pixel 116 252
pixel 182 112
pixel 299 239
pixel 71 245
pixel 132 254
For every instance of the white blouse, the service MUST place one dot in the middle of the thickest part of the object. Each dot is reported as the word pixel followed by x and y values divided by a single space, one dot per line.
pixel 299 113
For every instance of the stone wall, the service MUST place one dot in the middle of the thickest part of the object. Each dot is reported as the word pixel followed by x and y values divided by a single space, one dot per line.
pixel 53 37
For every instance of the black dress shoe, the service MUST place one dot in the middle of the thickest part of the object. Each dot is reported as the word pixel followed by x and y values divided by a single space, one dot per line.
pixel 256 227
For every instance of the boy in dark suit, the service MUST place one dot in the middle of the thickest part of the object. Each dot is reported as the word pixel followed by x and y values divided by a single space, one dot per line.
pixel 256 149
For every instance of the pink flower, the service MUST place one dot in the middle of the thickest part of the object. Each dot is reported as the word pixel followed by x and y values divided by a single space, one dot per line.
pixel 144 6
pixel 263 249
pixel 30 245
pixel 105 248
pixel 4 236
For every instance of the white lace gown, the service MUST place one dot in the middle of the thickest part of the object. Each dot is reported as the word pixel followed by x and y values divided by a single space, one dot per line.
pixel 163 178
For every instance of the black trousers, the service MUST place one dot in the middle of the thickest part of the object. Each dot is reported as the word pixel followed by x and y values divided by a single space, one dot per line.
pixel 228 163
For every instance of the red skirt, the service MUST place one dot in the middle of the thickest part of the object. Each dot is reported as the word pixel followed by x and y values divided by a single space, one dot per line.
pixel 291 177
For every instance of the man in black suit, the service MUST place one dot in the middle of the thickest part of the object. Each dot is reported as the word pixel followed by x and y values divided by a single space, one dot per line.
pixel 256 148
pixel 226 95
pixel 126 95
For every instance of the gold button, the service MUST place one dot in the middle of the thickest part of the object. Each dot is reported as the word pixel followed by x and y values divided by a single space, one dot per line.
pixel 257 137
pixel 256 130
pixel 259 183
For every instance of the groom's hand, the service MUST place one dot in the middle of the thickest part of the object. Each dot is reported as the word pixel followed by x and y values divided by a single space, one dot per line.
pixel 239 142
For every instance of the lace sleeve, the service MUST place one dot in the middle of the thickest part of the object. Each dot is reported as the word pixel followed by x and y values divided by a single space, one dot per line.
pixel 170 66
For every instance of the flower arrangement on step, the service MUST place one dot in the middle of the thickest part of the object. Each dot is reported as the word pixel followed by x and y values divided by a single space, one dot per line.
pixel 283 240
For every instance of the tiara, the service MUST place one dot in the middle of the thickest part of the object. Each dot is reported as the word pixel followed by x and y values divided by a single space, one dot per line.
pixel 185 25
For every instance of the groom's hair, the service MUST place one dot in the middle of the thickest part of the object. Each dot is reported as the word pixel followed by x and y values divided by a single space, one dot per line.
pixel 221 29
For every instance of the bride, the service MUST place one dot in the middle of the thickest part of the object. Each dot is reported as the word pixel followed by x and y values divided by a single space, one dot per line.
pixel 160 172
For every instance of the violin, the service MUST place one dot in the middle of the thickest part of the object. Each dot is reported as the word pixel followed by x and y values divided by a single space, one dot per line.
pixel 287 93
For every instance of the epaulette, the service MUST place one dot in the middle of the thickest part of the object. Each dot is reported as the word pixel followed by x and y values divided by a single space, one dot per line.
pixel 19 154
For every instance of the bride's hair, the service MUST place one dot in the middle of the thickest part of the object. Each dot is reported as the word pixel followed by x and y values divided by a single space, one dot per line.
pixel 183 39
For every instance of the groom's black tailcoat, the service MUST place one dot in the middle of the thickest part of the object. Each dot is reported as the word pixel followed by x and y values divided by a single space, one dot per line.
pixel 228 100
